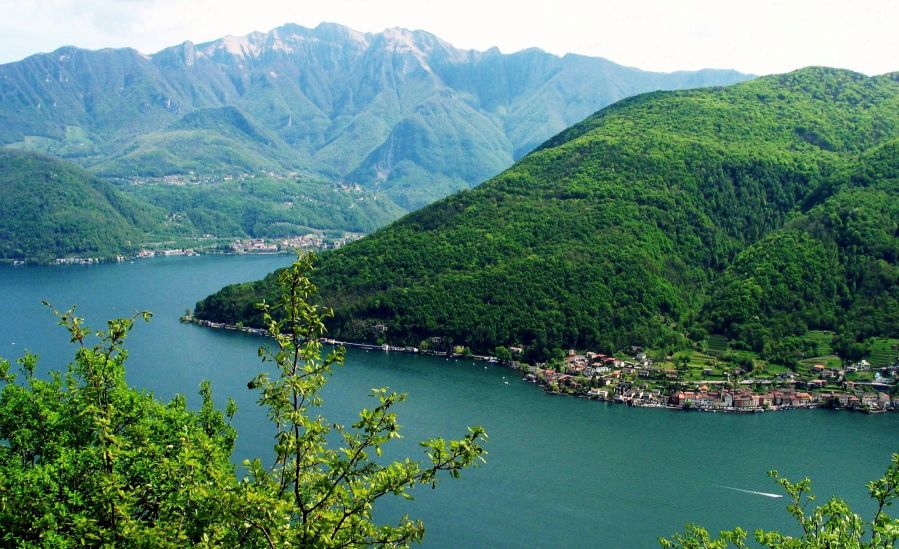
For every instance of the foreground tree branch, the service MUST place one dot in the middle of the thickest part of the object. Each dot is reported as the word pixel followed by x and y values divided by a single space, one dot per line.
pixel 86 460
pixel 325 496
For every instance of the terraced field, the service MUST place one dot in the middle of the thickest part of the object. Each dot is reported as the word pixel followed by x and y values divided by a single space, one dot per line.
pixel 715 344
pixel 829 361
pixel 883 352
pixel 822 339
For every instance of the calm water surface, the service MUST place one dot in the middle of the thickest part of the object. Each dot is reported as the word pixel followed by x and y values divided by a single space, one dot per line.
pixel 561 471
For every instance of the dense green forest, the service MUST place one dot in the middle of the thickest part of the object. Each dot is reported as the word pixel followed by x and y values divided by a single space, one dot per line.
pixel 831 266
pixel 51 209
pixel 756 211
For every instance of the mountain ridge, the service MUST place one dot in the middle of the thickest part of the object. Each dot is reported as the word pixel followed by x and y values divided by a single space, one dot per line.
pixel 332 97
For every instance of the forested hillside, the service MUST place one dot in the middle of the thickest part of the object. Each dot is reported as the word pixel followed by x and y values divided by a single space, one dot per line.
pixel 770 203
pixel 833 266
pixel 267 207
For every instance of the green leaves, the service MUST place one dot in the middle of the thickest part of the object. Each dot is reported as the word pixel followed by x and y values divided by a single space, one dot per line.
pixel 329 494
pixel 88 460
pixel 93 461
pixel 696 537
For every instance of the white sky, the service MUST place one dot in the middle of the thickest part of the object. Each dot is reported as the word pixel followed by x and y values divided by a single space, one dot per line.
pixel 757 36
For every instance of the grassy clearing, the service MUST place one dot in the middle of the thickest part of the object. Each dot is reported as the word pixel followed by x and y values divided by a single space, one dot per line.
pixel 829 361
pixel 866 376
pixel 774 369
pixel 884 351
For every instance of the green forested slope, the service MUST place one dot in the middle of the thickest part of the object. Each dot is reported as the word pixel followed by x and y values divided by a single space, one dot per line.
pixel 620 229
pixel 216 141
pixel 833 267
pixel 51 209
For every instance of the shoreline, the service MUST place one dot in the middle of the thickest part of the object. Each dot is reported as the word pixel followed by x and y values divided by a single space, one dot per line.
pixel 238 246
pixel 125 259
pixel 532 374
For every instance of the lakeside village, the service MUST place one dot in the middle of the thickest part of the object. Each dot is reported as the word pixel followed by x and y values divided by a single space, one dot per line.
pixel 311 241
pixel 261 246
pixel 638 381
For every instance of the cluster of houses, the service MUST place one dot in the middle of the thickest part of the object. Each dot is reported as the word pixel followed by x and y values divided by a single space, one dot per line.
pixel 745 400
pixel 592 364
pixel 305 242
pixel 189 178
pixel 608 369
pixel 77 260
pixel 254 246
pixel 603 377
pixel 314 241
pixel 309 241
pixel 143 254
pixel 247 246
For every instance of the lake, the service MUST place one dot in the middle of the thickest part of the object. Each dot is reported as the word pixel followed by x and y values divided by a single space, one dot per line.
pixel 561 471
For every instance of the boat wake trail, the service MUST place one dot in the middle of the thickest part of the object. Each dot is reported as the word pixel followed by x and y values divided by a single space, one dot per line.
pixel 766 494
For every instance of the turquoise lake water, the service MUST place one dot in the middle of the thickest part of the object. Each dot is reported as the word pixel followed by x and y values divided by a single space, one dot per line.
pixel 561 472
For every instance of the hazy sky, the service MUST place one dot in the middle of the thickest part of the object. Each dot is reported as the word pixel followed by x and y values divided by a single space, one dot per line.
pixel 757 36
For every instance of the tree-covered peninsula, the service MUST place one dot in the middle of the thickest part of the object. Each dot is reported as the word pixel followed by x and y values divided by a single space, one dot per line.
pixel 51 209
pixel 758 211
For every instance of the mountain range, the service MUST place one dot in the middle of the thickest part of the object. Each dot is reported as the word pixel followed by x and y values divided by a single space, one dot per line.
pixel 401 113
pixel 757 211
